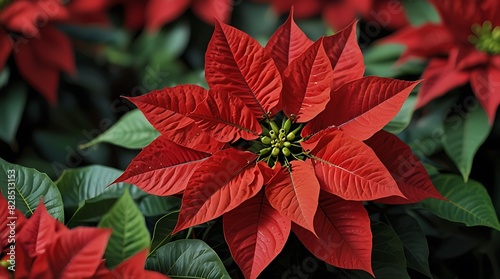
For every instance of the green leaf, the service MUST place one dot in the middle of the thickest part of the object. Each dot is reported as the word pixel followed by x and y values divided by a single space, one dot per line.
pixel 12 102
pixel 403 118
pixel 157 206
pixel 90 212
pixel 165 46
pixel 91 183
pixel 464 135
pixel 4 76
pixel 414 243
pixel 388 256
pixel 30 186
pixel 468 202
pixel 420 12
pixel 130 234
pixel 187 258
pixel 96 34
pixel 163 230
pixel 380 60
pixel 132 131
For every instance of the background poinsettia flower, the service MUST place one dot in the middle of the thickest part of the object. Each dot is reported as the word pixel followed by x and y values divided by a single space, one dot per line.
pixel 45 248
pixel 459 52
pixel 287 138
pixel 28 32
pixel 340 13
pixel 153 14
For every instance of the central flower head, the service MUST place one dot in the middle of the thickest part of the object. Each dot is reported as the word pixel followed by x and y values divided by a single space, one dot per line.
pixel 280 143
pixel 486 38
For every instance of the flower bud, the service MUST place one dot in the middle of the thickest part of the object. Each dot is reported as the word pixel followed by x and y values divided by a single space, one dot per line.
pixel 286 151
pixel 265 151
pixel 276 151
pixel 287 125
pixel 266 140
pixel 274 127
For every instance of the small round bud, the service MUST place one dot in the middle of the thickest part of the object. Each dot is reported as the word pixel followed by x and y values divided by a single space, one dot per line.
pixel 265 151
pixel 266 140
pixel 276 151
pixel 286 151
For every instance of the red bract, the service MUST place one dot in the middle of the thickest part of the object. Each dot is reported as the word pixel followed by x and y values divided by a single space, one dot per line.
pixel 153 14
pixel 460 51
pixel 339 14
pixel 27 30
pixel 287 138
pixel 45 248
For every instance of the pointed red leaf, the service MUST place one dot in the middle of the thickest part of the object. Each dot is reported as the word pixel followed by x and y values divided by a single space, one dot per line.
pixel 226 118
pixel 163 168
pixel 345 55
pixel 486 85
pixel 287 43
pixel 166 109
pixel 438 41
pixel 210 10
pixel 24 262
pixel 160 12
pixel 43 78
pixel 405 168
pixel 344 235
pixel 440 76
pixel 38 231
pixel 219 185
pixel 306 84
pixel 236 63
pixel 348 168
pixel 77 253
pixel 363 107
pixel 191 136
pixel 40 268
pixel 294 193
pixel 5 48
pixel 255 233
pixel 53 49
pixel 458 16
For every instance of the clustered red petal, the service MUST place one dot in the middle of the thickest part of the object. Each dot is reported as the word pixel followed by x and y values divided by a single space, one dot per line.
pixel 339 14
pixel 45 248
pixel 454 60
pixel 346 159
pixel 28 31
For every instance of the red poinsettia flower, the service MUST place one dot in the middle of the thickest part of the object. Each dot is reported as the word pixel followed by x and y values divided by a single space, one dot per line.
pixel 340 13
pixel 460 51
pixel 28 32
pixel 287 138
pixel 45 248
pixel 153 14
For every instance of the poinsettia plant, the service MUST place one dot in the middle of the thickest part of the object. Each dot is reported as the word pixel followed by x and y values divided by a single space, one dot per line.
pixel 459 52
pixel 288 137
pixel 45 248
